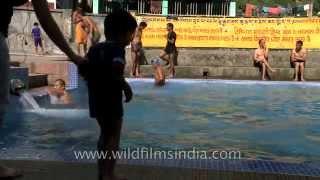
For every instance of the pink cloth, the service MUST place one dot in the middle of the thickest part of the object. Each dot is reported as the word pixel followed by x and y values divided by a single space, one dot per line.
pixel 275 11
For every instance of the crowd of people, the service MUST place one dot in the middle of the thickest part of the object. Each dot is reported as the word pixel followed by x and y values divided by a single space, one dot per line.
pixel 86 30
pixel 168 54
pixel 298 57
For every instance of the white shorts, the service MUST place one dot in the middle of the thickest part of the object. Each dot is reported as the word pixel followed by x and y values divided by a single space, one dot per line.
pixel 4 75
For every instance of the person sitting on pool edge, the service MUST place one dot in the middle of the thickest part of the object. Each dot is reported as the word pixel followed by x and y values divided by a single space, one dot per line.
pixel 260 59
pixel 159 75
pixel 298 60
pixel 58 93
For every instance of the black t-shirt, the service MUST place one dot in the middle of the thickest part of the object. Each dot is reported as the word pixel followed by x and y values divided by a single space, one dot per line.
pixel 6 12
pixel 171 47
pixel 105 83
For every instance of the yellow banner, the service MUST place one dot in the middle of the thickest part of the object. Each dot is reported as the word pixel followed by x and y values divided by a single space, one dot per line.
pixel 280 33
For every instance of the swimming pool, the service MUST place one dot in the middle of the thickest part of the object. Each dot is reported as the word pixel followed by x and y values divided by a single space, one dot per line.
pixel 264 120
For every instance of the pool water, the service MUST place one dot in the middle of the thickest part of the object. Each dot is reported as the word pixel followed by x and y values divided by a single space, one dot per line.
pixel 264 120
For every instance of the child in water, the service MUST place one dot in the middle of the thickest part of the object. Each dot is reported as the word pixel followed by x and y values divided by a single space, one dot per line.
pixel 58 93
pixel 159 74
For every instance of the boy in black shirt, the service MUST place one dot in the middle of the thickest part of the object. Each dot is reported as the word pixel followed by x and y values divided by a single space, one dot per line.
pixel 106 84
pixel 170 51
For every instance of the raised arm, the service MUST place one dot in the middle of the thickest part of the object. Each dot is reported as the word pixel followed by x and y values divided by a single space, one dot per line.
pixel 118 66
pixel 52 29
pixel 304 54
pixel 172 41
pixel 292 56
pixel 91 23
pixel 255 56
pixel 172 38
pixel 266 53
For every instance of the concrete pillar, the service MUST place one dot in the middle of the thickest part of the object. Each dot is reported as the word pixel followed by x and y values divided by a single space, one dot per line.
pixel 67 27
pixel 311 8
pixel 165 7
pixel 232 9
pixel 96 6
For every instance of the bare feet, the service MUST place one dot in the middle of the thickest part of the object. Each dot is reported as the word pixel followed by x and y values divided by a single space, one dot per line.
pixel 296 79
pixel 9 172
pixel 302 79
pixel 272 70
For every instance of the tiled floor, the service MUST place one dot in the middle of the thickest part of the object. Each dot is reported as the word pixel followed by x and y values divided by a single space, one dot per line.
pixel 257 166
pixel 170 170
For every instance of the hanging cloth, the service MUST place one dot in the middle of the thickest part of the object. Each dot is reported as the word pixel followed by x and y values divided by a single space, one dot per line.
pixel 275 11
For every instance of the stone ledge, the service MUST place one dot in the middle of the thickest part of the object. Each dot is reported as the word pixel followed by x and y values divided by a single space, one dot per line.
pixel 230 58
pixel 236 73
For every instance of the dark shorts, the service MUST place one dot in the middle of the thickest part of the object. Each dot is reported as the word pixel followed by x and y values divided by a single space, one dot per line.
pixel 170 49
pixel 38 42
pixel 257 64
pixel 293 65
pixel 110 125
pixel 136 47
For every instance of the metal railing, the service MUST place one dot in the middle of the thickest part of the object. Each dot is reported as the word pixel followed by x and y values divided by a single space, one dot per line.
pixel 180 7
pixel 175 7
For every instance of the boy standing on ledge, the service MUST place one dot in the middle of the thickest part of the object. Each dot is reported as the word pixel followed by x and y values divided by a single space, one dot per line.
pixel 170 51
pixel 106 84
pixel 36 35
pixel 136 50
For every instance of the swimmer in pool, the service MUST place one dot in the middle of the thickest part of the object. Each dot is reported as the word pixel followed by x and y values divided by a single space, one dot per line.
pixel 58 93
pixel 159 74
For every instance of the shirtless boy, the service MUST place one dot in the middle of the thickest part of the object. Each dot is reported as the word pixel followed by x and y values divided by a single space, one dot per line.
pixel 136 50
pixel 261 58
pixel 298 60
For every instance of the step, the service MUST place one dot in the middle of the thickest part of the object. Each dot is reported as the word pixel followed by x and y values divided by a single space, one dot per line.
pixel 230 57
pixel 38 80
pixel 237 73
